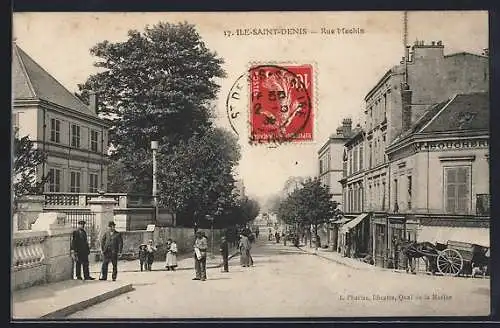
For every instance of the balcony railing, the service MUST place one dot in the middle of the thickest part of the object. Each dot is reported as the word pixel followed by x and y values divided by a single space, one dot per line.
pixel 81 200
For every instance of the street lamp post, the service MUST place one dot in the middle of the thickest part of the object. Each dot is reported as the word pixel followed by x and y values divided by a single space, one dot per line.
pixel 211 219
pixel 154 148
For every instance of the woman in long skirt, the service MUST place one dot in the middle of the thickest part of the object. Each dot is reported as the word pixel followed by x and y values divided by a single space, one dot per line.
pixel 171 255
pixel 244 248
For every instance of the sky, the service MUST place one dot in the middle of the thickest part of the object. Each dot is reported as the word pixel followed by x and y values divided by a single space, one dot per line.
pixel 345 66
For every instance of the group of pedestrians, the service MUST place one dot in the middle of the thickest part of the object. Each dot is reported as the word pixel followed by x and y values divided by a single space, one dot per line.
pixel 112 246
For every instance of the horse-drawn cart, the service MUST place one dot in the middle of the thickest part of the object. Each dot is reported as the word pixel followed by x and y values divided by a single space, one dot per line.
pixel 457 257
pixel 453 258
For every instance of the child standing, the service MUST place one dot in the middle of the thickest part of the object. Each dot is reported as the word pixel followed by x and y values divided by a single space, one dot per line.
pixel 143 256
pixel 171 262
pixel 150 249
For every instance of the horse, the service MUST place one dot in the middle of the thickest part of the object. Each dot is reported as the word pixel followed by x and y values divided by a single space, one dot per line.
pixel 415 250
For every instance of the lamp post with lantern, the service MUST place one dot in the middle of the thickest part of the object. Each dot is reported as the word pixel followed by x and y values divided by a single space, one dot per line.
pixel 154 148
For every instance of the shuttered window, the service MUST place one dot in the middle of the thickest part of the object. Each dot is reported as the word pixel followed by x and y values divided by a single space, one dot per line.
pixel 75 136
pixel 55 130
pixel 75 180
pixel 54 180
pixel 360 157
pixel 93 182
pixel 457 193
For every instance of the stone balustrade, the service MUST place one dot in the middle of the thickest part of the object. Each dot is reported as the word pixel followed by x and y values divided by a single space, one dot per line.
pixel 28 249
pixel 42 254
pixel 55 200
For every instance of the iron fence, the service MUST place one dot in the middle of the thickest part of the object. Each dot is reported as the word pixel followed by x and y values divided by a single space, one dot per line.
pixel 72 218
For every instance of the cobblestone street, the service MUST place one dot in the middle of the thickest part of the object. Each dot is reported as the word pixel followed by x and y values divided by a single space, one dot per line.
pixel 287 282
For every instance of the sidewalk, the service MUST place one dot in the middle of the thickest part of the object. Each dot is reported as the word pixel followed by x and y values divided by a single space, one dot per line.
pixel 58 300
pixel 346 261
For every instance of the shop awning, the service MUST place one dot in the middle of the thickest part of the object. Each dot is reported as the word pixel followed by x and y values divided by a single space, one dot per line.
pixel 354 222
pixel 478 236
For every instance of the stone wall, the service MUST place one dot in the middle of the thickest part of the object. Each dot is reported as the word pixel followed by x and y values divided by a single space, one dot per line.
pixel 184 237
pixel 42 254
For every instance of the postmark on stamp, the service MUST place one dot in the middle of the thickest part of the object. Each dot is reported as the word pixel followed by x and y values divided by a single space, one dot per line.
pixel 279 107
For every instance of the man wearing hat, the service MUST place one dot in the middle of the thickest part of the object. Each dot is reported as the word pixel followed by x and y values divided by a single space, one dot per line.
pixel 200 256
pixel 80 251
pixel 111 247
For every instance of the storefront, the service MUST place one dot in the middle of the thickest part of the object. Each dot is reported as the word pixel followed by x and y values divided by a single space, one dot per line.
pixel 355 236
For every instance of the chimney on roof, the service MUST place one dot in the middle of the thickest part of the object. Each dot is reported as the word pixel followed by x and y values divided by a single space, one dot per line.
pixel 406 95
pixel 346 127
pixel 93 101
pixel 339 130
pixel 432 51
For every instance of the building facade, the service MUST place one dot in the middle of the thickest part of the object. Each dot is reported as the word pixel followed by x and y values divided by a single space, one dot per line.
pixel 330 163
pixel 404 97
pixel 72 135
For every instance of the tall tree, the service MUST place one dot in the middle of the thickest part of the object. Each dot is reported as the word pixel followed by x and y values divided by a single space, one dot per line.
pixel 156 85
pixel 196 175
pixel 318 201
pixel 27 159
pixel 309 205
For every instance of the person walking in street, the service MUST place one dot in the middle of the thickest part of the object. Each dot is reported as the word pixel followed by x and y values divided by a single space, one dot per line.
pixel 270 235
pixel 277 237
pixel 224 251
pixel 111 247
pixel 257 232
pixel 143 256
pixel 171 255
pixel 200 257
pixel 244 248
pixel 80 251
pixel 151 250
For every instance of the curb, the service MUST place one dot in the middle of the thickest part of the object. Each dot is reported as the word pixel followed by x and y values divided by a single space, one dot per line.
pixel 371 267
pixel 336 261
pixel 79 306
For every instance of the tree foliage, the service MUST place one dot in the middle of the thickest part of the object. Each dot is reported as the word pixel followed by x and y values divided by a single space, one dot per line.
pixel 250 208
pixel 155 85
pixel 27 159
pixel 309 205
pixel 195 176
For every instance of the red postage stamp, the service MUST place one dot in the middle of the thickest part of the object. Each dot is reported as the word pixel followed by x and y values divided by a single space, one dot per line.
pixel 281 103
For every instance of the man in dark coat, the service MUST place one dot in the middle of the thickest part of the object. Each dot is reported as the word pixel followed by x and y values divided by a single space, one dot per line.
pixel 224 251
pixel 111 247
pixel 80 251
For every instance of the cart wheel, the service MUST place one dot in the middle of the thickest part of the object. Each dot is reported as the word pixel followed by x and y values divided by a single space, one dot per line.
pixel 450 262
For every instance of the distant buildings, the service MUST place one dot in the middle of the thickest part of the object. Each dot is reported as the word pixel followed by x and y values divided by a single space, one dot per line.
pixel 73 136
pixel 421 158
pixel 331 158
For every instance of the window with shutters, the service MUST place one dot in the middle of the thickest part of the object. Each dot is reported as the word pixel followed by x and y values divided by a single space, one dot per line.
pixel 355 160
pixel 54 178
pixel 94 136
pixel 361 157
pixel 93 182
pixel 55 130
pixel 350 162
pixel 74 185
pixel 370 163
pixel 457 189
pixel 75 136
